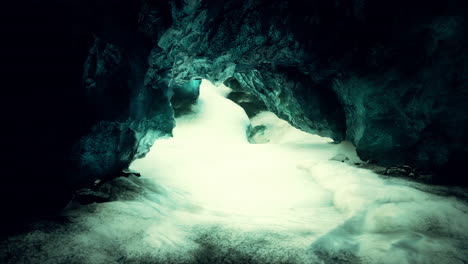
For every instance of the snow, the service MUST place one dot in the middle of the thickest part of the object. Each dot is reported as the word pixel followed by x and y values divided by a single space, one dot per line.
pixel 207 195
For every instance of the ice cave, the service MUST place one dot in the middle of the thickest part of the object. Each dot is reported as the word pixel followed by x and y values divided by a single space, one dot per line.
pixel 236 132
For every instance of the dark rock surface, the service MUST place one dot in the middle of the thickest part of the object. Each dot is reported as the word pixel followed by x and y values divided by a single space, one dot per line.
pixel 185 96
pixel 247 100
pixel 88 196
pixel 389 76
pixel 77 104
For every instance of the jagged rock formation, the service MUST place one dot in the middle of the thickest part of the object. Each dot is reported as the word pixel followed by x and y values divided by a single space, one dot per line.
pixel 389 76
pixel 89 110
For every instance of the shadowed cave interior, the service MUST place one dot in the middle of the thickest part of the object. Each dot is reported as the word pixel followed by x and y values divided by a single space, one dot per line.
pixel 199 131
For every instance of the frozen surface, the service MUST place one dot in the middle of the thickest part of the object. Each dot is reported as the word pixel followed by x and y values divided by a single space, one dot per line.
pixel 209 196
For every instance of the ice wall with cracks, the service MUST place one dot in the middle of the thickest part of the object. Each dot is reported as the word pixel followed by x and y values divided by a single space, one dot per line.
pixel 207 195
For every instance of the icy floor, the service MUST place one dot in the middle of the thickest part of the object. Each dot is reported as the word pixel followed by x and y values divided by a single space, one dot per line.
pixel 208 196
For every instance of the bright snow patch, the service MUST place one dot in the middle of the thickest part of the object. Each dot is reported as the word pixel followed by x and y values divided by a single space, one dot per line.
pixel 209 196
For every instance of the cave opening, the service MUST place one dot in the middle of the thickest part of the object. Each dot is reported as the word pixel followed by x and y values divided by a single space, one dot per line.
pixel 233 187
pixel 235 191
pixel 225 160
pixel 339 136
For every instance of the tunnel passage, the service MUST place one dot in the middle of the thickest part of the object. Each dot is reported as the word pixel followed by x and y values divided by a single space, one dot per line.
pixel 214 193
pixel 392 74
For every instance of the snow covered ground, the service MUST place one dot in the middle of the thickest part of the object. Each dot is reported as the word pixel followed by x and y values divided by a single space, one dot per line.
pixel 207 195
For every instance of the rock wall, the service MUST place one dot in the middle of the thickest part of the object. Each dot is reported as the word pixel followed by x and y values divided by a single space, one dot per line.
pixel 79 107
pixel 127 112
pixel 390 76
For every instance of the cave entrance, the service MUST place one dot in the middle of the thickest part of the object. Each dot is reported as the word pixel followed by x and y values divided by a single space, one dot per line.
pixel 236 165
pixel 211 195
pixel 257 188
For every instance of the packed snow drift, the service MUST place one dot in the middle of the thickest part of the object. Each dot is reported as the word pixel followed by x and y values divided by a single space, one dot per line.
pixel 217 193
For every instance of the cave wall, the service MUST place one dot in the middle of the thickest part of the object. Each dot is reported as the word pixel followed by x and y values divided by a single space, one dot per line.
pixel 93 91
pixel 78 106
pixel 389 76
pixel 127 113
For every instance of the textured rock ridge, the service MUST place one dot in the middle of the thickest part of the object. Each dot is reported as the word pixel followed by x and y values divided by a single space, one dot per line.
pixel 390 77
pixel 81 108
